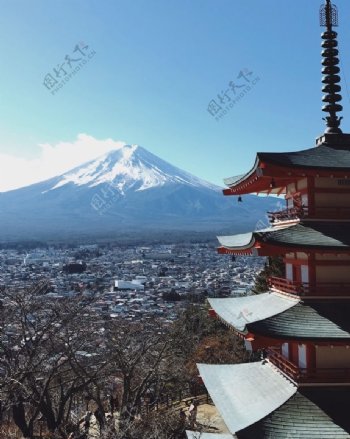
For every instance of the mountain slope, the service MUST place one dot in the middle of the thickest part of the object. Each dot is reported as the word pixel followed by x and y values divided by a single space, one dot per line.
pixel 128 189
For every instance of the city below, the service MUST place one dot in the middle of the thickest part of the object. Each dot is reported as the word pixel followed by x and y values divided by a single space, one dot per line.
pixel 133 282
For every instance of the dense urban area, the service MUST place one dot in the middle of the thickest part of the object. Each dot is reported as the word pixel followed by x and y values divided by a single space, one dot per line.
pixel 135 283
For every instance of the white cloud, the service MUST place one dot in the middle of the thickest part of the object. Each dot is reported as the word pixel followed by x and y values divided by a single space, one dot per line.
pixel 53 160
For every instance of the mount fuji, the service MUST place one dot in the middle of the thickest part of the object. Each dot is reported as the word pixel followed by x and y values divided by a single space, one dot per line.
pixel 126 190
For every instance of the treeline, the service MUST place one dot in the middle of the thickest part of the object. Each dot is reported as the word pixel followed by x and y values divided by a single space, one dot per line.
pixel 134 238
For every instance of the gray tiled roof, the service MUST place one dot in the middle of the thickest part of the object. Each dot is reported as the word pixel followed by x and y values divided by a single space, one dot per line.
pixel 311 234
pixel 313 413
pixel 318 157
pixel 245 393
pixel 317 320
pixel 238 311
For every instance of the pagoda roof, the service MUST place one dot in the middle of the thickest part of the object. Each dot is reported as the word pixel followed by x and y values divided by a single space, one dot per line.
pixel 240 311
pixel 283 166
pixel 246 393
pixel 200 435
pixel 312 413
pixel 244 241
pixel 302 235
pixel 318 157
pixel 318 320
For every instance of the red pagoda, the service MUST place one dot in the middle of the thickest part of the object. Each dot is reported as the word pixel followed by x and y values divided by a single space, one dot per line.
pixel 301 325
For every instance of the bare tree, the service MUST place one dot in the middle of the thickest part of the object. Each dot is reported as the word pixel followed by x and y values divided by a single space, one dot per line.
pixel 138 354
pixel 154 425
pixel 47 357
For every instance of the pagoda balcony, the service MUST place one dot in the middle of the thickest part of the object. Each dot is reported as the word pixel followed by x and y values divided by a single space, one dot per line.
pixel 306 290
pixel 291 214
pixel 297 213
pixel 307 375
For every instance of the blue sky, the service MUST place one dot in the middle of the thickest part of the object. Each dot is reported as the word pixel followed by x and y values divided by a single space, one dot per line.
pixel 158 64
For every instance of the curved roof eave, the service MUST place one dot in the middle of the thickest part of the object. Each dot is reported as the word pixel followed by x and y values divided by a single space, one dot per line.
pixel 231 181
pixel 240 311
pixel 307 235
pixel 242 241
pixel 245 393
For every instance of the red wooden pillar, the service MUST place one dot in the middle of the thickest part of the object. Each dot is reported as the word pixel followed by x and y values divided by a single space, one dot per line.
pixel 293 352
pixel 311 356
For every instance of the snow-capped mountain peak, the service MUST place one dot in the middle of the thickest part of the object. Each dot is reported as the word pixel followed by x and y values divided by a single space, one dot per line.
pixel 129 167
pixel 148 196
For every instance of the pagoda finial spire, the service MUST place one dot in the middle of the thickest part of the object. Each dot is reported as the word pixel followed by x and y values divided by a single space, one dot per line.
pixel 329 19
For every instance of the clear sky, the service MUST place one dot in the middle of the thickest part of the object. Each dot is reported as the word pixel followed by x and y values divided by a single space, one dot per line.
pixel 155 67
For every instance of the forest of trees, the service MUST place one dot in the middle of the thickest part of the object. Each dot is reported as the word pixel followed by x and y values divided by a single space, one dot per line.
pixel 60 358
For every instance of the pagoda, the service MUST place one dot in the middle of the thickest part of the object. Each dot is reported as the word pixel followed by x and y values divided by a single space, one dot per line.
pixel 301 326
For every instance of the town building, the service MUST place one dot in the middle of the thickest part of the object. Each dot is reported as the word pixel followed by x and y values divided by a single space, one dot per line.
pixel 301 386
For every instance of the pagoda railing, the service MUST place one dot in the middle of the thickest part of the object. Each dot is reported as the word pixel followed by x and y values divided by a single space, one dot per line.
pixel 293 213
pixel 320 289
pixel 286 286
pixel 307 375
pixel 286 366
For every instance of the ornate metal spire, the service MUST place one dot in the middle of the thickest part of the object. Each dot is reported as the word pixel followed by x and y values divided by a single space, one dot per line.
pixel 329 19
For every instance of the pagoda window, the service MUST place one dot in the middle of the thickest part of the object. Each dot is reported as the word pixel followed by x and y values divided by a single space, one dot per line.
pixel 289 271
pixel 285 350
pixel 304 274
pixel 304 200
pixel 302 356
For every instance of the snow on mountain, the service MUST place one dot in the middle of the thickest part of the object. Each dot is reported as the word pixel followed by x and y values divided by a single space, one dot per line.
pixel 130 167
pixel 128 190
